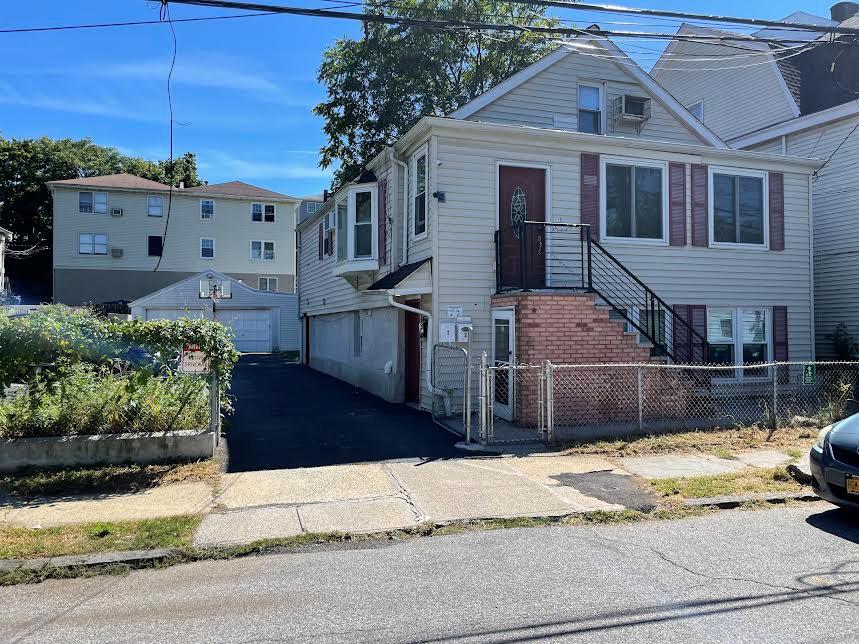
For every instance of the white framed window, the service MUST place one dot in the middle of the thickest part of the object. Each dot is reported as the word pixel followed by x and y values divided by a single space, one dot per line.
pixel 267 284
pixel 590 98
pixel 740 336
pixel 312 207
pixel 262 251
pixel 634 200
pixel 342 231
pixel 207 248
pixel 207 208
pixel 738 208
pixel 264 212
pixel 92 244
pixel 154 206
pixel 357 223
pixel 419 193
pixel 696 109
pixel 95 202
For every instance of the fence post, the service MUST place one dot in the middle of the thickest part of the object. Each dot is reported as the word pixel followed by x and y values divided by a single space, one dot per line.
pixel 550 402
pixel 482 396
pixel 775 396
pixel 466 402
pixel 640 399
pixel 215 411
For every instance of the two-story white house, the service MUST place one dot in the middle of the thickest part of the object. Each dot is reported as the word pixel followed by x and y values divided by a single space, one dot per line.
pixel 798 98
pixel 574 192
pixel 119 237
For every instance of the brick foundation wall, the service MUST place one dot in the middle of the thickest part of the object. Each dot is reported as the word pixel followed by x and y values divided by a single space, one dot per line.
pixel 571 329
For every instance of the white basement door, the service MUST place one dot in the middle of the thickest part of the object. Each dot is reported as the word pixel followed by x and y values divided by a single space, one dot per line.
pixel 251 329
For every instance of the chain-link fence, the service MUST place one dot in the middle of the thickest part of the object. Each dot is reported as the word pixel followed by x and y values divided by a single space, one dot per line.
pixel 452 389
pixel 615 399
pixel 548 402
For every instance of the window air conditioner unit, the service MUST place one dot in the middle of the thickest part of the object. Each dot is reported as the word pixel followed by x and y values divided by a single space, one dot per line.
pixel 629 109
pixel 116 212
pixel 116 253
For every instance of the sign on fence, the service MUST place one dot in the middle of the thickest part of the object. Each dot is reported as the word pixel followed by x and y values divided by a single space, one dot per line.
pixel 809 374
pixel 193 360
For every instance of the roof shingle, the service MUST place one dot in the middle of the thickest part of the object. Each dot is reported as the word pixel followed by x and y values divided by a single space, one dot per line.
pixel 121 180
pixel 237 189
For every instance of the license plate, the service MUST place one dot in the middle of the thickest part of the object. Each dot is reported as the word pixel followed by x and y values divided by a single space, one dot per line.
pixel 853 484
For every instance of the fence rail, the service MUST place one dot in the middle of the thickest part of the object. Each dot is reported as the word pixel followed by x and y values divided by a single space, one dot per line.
pixel 565 402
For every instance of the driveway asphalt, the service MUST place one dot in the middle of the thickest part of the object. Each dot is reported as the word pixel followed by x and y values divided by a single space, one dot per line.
pixel 288 415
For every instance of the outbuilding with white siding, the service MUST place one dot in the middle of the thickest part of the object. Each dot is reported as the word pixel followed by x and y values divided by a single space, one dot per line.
pixel 261 321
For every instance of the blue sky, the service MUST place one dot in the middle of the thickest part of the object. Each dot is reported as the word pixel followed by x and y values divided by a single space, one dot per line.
pixel 243 89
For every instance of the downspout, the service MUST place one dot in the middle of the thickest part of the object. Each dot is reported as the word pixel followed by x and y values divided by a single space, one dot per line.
pixel 428 361
pixel 405 169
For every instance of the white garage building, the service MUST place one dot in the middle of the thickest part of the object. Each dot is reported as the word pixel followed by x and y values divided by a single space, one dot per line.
pixel 261 321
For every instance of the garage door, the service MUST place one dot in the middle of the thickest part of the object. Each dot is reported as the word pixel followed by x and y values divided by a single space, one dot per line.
pixel 251 329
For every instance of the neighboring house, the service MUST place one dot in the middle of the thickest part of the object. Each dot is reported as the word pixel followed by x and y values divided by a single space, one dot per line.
pixel 5 238
pixel 309 205
pixel 119 237
pixel 261 320
pixel 797 103
pixel 431 238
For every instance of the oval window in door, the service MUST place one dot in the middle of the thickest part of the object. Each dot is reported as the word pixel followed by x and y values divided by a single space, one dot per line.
pixel 518 210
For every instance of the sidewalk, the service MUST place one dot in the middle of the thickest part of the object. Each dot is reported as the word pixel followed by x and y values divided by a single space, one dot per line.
pixel 373 497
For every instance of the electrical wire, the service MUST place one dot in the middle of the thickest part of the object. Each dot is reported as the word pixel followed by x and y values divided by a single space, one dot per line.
pixel 164 16
pixel 132 23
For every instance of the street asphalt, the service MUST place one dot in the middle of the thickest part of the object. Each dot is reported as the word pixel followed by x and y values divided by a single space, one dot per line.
pixel 288 415
pixel 777 575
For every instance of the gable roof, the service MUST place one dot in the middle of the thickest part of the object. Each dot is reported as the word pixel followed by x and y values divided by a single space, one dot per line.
pixel 815 119
pixel 742 40
pixel 619 58
pixel 141 301
pixel 237 189
pixel 121 180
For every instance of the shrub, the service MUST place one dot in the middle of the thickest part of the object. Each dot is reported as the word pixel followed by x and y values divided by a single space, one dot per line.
pixel 89 399
pixel 843 343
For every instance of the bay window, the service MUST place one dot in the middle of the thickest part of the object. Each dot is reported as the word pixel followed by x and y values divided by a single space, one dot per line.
pixel 740 337
pixel 357 222
pixel 738 207
pixel 634 199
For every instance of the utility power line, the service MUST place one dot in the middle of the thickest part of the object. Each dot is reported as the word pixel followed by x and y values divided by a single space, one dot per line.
pixel 577 6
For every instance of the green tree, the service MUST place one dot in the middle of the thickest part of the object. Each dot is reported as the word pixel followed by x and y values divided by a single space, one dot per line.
pixel 380 86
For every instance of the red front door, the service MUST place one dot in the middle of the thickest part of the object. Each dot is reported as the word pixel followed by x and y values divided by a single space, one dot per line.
pixel 522 197
pixel 413 354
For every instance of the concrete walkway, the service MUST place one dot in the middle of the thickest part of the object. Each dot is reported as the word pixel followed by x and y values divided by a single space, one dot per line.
pixel 371 497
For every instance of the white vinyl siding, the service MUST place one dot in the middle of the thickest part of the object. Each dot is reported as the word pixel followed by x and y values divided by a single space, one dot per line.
pixel 836 234
pixel 681 275
pixel 551 97
pixel 739 98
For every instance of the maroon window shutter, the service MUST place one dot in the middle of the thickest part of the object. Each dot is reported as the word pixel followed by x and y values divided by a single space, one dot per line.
pixel 698 318
pixel 330 242
pixel 681 344
pixel 677 204
pixel 780 352
pixel 776 181
pixel 589 195
pixel 383 223
pixel 320 240
pixel 699 205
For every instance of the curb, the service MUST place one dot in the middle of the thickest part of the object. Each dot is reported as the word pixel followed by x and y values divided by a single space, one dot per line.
pixel 130 557
pixel 729 502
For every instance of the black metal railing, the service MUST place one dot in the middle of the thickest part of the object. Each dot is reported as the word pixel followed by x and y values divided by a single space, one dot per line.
pixel 539 255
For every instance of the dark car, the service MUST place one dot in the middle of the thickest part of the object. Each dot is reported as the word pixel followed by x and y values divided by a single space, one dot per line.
pixel 835 463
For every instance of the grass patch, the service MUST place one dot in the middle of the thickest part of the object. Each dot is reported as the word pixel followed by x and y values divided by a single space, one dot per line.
pixel 112 479
pixel 724 443
pixel 291 355
pixel 750 481
pixel 27 543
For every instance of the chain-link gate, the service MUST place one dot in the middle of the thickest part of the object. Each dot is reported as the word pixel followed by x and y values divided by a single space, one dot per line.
pixel 452 389
pixel 514 403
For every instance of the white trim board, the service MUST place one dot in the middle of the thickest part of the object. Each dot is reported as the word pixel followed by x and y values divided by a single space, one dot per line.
pixel 824 117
